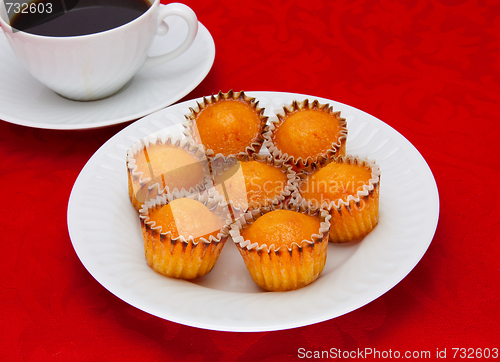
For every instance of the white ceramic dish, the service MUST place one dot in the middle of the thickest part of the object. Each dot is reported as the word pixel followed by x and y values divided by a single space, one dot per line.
pixel 105 232
pixel 24 101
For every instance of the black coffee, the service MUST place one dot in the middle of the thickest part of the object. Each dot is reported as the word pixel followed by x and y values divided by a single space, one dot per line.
pixel 63 18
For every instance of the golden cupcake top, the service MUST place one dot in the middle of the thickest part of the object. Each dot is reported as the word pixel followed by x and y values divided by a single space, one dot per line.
pixel 251 183
pixel 173 167
pixel 158 164
pixel 228 124
pixel 187 218
pixel 335 181
pixel 307 131
pixel 282 227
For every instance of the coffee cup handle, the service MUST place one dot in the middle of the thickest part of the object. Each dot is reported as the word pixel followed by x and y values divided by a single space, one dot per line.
pixel 189 16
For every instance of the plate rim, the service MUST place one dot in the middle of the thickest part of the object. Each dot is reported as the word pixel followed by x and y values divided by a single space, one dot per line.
pixel 286 325
pixel 13 119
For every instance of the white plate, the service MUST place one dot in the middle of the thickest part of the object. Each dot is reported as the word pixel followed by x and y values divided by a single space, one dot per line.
pixel 106 235
pixel 25 101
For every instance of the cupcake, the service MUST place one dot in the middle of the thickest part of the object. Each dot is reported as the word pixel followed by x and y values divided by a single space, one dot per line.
pixel 252 182
pixel 349 188
pixel 306 133
pixel 157 165
pixel 283 249
pixel 228 124
pixel 184 233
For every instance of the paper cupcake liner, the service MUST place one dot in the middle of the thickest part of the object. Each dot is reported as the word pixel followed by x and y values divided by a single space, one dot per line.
pixel 221 164
pixel 337 148
pixel 283 268
pixel 191 130
pixel 353 218
pixel 143 187
pixel 177 257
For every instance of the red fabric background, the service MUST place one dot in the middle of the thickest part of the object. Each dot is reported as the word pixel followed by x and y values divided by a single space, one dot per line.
pixel 428 68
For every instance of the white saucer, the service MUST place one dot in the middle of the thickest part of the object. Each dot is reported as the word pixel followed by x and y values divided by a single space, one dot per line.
pixel 24 101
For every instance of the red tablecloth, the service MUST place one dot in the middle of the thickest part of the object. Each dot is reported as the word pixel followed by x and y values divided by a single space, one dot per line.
pixel 428 68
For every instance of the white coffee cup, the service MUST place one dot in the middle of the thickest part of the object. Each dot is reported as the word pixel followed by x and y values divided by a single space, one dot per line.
pixel 96 66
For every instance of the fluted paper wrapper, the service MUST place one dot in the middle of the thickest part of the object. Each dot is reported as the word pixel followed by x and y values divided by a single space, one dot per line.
pixel 180 257
pixel 353 218
pixel 283 268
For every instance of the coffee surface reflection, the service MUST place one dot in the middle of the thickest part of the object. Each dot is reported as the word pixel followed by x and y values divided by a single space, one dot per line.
pixel 64 18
